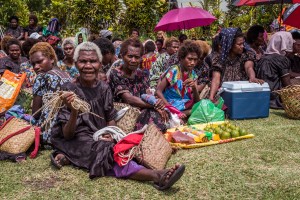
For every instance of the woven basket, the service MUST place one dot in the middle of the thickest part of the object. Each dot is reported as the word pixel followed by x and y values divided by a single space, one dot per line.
pixel 20 142
pixel 154 150
pixel 128 121
pixel 290 97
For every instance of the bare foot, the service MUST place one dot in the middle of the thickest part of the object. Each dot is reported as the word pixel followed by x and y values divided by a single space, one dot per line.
pixel 61 160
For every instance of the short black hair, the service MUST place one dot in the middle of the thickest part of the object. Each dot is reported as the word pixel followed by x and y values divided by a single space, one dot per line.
pixel 27 45
pixel 150 46
pixel 14 17
pixel 182 37
pixel 253 33
pixel 189 46
pixel 296 35
pixel 116 39
pixel 105 45
pixel 160 41
pixel 131 42
pixel 34 17
pixel 13 41
pixel 135 29
pixel 216 41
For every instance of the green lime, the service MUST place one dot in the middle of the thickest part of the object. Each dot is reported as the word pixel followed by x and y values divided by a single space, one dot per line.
pixel 225 135
pixel 235 134
pixel 243 132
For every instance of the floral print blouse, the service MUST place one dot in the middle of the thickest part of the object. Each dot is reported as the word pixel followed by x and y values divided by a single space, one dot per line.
pixel 137 85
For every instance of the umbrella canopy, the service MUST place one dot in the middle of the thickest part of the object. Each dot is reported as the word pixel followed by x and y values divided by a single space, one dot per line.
pixel 292 15
pixel 262 2
pixel 184 18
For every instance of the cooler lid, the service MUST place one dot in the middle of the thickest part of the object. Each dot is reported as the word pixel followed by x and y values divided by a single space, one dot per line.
pixel 245 86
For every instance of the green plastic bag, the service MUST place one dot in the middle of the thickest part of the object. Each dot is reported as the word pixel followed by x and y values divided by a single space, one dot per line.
pixel 205 111
pixel 220 103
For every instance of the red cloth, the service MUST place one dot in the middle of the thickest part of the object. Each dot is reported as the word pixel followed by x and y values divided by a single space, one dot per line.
pixel 174 110
pixel 124 145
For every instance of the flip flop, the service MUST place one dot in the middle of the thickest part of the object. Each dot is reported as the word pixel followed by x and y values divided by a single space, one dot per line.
pixel 172 180
pixel 55 162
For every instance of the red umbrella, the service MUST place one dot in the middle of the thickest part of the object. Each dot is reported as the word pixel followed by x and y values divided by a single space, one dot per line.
pixel 262 2
pixel 184 18
pixel 291 16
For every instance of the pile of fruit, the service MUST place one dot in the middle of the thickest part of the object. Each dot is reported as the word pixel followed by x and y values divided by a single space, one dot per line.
pixel 226 130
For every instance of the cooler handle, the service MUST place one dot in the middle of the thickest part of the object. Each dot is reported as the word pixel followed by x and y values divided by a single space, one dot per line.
pixel 247 89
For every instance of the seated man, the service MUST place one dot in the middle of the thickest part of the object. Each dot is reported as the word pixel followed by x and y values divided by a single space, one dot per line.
pixel 72 136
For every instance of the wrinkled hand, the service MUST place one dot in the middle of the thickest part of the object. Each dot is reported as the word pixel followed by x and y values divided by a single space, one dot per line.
pixel 159 104
pixel 68 98
pixel 190 83
pixel 256 80
pixel 164 115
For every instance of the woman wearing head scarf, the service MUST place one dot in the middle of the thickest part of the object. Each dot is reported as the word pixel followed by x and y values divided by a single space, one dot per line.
pixel 53 28
pixel 233 63
pixel 49 79
pixel 80 37
pixel 68 64
pixel 274 67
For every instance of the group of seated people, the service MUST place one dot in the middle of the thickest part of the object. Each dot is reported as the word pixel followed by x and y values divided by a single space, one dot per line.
pixel 175 79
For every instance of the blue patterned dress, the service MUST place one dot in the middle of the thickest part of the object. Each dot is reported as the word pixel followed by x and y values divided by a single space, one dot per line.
pixel 49 82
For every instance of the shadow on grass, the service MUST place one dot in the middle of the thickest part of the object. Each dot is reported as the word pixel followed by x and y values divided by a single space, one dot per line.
pixel 280 113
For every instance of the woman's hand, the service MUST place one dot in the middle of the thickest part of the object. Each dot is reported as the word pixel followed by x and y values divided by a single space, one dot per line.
pixel 164 115
pixel 256 80
pixel 190 83
pixel 159 104
pixel 68 98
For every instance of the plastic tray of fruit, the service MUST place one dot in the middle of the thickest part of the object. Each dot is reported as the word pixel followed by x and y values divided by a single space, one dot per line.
pixel 202 135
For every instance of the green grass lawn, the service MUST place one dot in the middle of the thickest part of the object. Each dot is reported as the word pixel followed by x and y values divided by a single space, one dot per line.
pixel 266 167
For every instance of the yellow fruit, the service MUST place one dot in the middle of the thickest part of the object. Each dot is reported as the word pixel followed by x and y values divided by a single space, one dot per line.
pixel 216 137
pixel 197 139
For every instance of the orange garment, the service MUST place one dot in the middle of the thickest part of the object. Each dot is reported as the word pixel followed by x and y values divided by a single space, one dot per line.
pixel 287 27
pixel 147 61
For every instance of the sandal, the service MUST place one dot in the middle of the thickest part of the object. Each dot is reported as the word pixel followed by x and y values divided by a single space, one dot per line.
pixel 163 185
pixel 58 164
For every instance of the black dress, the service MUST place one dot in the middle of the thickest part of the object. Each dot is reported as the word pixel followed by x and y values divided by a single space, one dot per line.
pixel 82 150
pixel 271 68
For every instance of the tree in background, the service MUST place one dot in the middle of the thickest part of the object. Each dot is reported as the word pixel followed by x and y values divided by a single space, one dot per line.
pixel 246 16
pixel 13 7
pixel 141 14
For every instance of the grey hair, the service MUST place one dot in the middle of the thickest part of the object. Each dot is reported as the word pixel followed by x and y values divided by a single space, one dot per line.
pixel 68 41
pixel 87 46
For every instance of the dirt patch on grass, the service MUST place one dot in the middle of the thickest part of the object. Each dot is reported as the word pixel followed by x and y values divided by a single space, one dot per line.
pixel 41 183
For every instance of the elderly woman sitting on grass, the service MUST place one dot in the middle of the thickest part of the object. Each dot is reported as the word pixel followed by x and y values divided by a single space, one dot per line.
pixel 73 134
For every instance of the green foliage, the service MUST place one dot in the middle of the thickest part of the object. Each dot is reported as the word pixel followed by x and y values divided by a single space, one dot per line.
pixel 13 7
pixel 141 14
pixel 246 16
